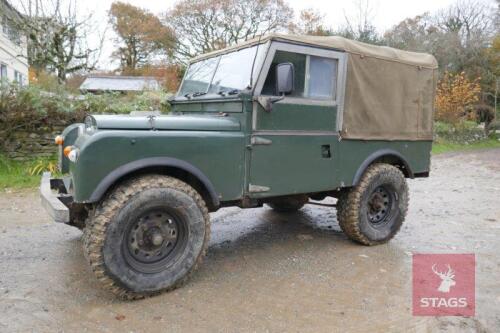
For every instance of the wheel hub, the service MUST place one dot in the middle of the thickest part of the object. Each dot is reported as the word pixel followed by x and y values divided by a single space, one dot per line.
pixel 152 237
pixel 379 205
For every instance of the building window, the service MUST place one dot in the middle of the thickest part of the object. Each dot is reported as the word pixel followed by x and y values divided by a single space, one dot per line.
pixel 3 72
pixel 10 31
pixel 18 77
pixel 5 25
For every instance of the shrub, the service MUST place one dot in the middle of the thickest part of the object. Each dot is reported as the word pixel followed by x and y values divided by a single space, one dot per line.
pixel 30 108
pixel 466 132
pixel 455 96
pixel 495 126
pixel 42 165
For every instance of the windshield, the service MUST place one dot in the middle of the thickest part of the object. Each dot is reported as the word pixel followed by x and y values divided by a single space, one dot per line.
pixel 224 74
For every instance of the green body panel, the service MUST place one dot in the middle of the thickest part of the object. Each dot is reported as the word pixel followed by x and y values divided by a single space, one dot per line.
pixel 218 155
pixel 295 158
pixel 352 153
pixel 293 164
pixel 297 117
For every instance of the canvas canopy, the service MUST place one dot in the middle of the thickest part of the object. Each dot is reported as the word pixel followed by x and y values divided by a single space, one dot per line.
pixel 389 93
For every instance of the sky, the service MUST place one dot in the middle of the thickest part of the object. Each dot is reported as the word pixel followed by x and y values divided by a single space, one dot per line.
pixel 385 13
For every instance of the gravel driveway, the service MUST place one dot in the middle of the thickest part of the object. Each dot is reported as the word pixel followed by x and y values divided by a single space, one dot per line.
pixel 265 271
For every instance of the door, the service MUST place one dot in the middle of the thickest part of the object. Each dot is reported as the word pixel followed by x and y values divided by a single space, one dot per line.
pixel 293 146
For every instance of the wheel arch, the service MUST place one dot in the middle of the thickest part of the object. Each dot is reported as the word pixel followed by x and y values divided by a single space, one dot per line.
pixel 388 156
pixel 163 165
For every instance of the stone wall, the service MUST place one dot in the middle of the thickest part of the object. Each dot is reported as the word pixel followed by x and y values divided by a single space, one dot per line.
pixel 27 145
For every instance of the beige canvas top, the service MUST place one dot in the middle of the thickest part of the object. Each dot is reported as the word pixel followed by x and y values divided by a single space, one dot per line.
pixel 389 93
pixel 339 43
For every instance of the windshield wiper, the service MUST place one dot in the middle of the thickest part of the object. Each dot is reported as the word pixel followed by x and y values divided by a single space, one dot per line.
pixel 198 93
pixel 228 92
pixel 195 94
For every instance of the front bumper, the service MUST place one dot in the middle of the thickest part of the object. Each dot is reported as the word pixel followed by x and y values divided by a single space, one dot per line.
pixel 55 198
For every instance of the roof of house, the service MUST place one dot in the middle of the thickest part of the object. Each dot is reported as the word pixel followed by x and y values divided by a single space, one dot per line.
pixel 119 83
pixel 339 43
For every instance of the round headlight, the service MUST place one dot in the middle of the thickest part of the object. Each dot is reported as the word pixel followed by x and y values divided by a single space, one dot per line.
pixel 90 124
pixel 73 155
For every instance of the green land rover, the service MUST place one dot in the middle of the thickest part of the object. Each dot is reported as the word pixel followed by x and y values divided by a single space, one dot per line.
pixel 277 120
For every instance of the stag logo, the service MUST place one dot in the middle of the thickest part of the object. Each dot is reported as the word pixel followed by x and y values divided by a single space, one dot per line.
pixel 447 279
pixel 453 293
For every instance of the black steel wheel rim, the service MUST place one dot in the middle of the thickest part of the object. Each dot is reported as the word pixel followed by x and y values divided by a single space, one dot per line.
pixel 380 204
pixel 154 240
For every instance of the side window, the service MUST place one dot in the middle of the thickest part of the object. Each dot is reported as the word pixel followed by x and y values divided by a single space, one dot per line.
pixel 322 78
pixel 299 63
pixel 315 77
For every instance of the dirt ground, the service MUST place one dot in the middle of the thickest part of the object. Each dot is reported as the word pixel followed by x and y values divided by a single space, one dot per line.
pixel 265 271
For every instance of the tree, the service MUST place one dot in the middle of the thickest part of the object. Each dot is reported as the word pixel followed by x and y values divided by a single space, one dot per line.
pixel 310 22
pixel 141 36
pixel 459 36
pixel 169 75
pixel 455 95
pixel 415 34
pixel 57 38
pixel 360 26
pixel 208 25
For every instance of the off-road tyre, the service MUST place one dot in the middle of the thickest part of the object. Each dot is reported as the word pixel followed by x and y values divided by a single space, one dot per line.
pixel 354 210
pixel 106 228
pixel 288 204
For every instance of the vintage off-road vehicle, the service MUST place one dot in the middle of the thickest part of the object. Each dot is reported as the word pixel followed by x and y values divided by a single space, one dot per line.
pixel 277 120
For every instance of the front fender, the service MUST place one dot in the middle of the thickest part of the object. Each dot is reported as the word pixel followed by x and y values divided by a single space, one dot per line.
pixel 214 158
pixel 152 162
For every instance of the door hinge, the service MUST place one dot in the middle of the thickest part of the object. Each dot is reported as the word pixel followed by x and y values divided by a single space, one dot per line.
pixel 258 188
pixel 260 141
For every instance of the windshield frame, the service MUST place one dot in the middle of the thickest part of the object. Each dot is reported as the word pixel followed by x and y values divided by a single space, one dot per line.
pixel 257 67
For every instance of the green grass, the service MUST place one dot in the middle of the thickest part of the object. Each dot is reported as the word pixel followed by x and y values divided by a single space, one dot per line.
pixel 17 175
pixel 446 147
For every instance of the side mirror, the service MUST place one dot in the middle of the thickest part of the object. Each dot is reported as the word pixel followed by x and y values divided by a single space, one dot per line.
pixel 285 82
pixel 285 78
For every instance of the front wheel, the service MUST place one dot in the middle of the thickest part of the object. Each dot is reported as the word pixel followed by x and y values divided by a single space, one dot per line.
pixel 147 236
pixel 373 211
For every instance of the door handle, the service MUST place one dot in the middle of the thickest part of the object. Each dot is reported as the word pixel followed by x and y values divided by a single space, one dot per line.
pixel 256 140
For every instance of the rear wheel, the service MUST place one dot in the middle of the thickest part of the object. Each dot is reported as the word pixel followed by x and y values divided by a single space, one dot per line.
pixel 373 211
pixel 147 236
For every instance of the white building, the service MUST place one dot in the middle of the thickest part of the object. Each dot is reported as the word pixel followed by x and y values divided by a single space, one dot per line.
pixel 13 47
